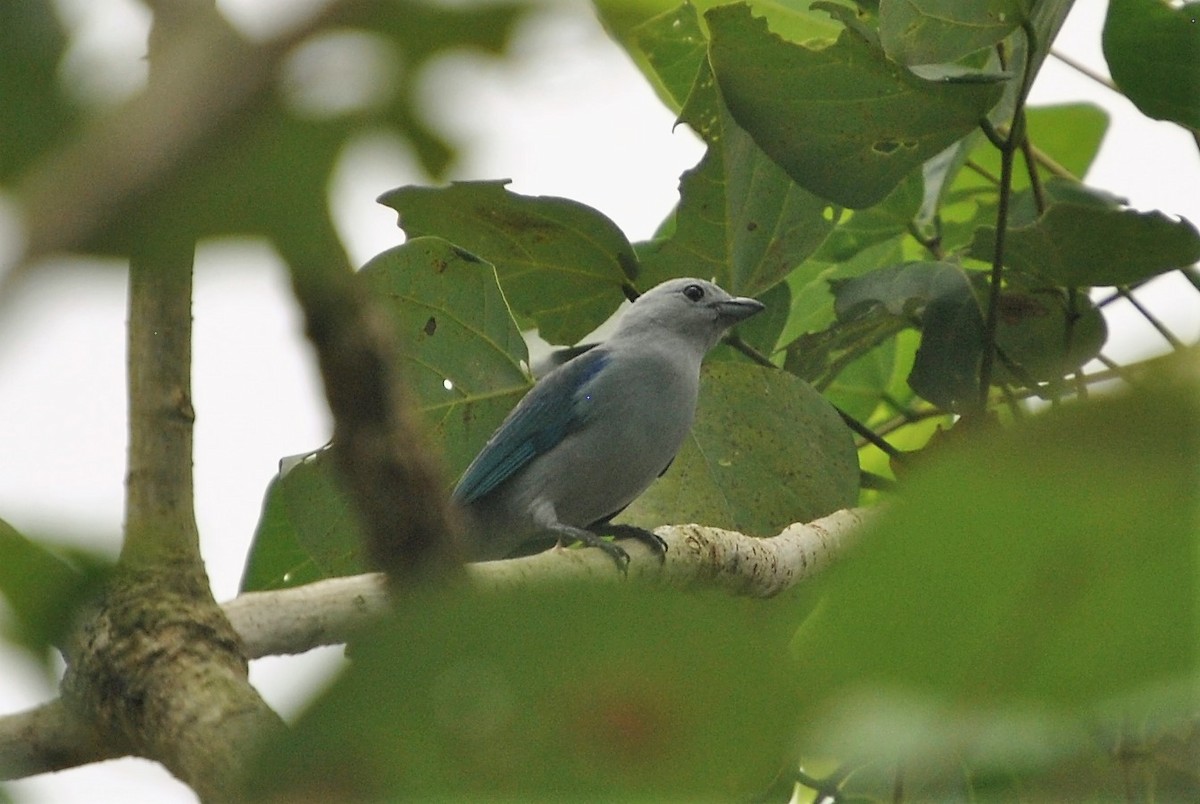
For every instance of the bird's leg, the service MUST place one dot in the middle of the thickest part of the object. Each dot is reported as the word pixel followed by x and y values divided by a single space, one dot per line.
pixel 646 537
pixel 591 539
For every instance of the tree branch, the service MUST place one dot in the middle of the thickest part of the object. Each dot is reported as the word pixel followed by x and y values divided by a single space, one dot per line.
pixel 328 612
pixel 49 738
pixel 154 667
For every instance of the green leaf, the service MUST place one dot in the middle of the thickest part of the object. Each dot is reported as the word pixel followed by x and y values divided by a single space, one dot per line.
pixel 1152 50
pixel 765 451
pixel 740 218
pixel 858 387
pixel 307 531
pixel 1032 589
pixel 935 31
pixel 1084 244
pixel 565 693
pixel 463 359
pixel 36 114
pixel 938 297
pixel 560 262
pixel 843 121
pixel 1044 334
pixel 674 48
pixel 812 301
pixel 44 589
pixel 463 356
pixel 629 21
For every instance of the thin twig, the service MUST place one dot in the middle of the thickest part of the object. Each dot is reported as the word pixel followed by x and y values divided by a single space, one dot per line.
pixel 1168 336
pixel 1078 66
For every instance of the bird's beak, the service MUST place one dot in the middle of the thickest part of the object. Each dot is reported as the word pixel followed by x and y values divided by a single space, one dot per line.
pixel 739 308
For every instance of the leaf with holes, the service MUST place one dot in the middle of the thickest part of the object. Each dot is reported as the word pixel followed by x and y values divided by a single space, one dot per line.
pixel 844 121
pixel 560 262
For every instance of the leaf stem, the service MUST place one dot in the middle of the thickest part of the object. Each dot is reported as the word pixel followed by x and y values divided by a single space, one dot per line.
pixel 1083 69
pixel 1168 336
pixel 1008 147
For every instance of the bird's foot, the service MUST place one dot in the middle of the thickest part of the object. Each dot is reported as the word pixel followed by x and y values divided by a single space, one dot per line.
pixel 614 551
pixel 646 537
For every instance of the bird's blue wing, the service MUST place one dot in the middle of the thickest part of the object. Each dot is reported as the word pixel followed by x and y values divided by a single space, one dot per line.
pixel 554 407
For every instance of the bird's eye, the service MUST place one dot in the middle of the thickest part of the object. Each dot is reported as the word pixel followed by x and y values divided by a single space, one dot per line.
pixel 694 292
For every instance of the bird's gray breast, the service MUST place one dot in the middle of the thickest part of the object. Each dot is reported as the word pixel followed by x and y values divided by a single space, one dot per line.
pixel 636 414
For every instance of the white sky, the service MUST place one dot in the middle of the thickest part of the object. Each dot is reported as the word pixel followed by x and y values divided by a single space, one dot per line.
pixel 568 116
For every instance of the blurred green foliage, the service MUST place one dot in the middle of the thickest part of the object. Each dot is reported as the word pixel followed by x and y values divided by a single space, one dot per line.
pixel 1023 613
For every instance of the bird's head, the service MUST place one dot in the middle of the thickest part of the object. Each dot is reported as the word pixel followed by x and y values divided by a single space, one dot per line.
pixel 693 309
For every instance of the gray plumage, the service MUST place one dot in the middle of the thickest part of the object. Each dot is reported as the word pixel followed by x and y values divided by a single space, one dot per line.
pixel 595 432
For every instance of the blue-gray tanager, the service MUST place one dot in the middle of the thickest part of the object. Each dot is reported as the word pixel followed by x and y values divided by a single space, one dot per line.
pixel 596 431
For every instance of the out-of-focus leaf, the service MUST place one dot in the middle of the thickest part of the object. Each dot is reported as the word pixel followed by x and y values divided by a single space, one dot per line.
pixel 576 692
pixel 44 589
pixel 938 298
pixel 36 113
pixel 560 262
pixel 462 358
pixel 1031 590
pixel 844 121
pixel 1084 244
pixel 1152 49
pixel 261 164
pixel 935 31
pixel 765 451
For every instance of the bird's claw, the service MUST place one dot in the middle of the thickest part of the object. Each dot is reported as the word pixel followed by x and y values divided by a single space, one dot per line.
pixel 656 543
pixel 616 553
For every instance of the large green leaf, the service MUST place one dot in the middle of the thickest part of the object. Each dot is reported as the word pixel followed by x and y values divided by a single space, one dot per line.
pixel 844 121
pixel 1152 48
pixel 566 693
pixel 1087 244
pixel 1030 591
pixel 462 357
pixel 560 262
pixel 765 451
pixel 935 31
pixel 740 218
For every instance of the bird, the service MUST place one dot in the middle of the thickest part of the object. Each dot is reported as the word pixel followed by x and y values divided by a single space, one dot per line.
pixel 595 432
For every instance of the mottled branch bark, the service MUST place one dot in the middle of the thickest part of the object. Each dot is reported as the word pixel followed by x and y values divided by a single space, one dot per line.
pixel 329 612
pixel 155 668
pixel 47 738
